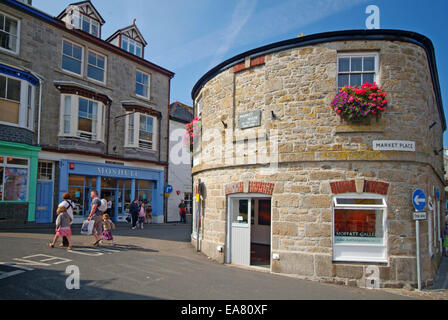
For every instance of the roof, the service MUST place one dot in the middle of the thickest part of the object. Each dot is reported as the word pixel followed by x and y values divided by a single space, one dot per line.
pixel 181 112
pixel 345 35
pixel 63 13
pixel 86 36
pixel 132 26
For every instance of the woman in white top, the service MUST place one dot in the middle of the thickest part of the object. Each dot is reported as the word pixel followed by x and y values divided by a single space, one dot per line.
pixel 66 202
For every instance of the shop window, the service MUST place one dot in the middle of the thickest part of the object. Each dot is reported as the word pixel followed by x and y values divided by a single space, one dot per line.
pixel 72 57
pixel 13 179
pixel 9 33
pixel 83 118
pixel 141 131
pixel 144 191
pixel 188 199
pixel 142 84
pixel 359 229
pixel 357 69
pixel 96 68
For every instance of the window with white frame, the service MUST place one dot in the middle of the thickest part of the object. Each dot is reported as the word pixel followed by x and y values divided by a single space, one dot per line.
pixel 82 117
pixel 9 33
pixel 45 171
pixel 131 46
pixel 13 178
pixel 86 24
pixel 16 102
pixel 355 69
pixel 96 68
pixel 359 228
pixel 72 57
pixel 142 84
pixel 141 131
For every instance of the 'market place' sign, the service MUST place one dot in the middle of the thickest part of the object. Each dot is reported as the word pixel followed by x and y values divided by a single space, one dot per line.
pixel 393 145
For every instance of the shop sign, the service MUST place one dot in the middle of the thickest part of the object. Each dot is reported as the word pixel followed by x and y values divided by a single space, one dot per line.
pixel 117 172
pixel 249 119
pixel 393 145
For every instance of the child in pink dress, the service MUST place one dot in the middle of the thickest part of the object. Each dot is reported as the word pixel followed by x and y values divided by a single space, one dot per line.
pixel 108 225
pixel 63 222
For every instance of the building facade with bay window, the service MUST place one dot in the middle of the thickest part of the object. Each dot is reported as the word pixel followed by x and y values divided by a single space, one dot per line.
pixel 284 182
pixel 79 113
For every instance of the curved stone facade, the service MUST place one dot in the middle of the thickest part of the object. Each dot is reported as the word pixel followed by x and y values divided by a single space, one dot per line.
pixel 307 154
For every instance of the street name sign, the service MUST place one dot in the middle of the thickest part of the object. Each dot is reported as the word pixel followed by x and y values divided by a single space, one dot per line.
pixel 419 200
pixel 393 145
pixel 249 119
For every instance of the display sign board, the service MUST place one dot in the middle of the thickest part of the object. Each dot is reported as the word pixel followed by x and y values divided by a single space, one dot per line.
pixel 393 145
pixel 419 200
pixel 249 119
pixel 420 215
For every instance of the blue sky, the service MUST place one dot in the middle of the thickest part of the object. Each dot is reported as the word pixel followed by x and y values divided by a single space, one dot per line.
pixel 189 37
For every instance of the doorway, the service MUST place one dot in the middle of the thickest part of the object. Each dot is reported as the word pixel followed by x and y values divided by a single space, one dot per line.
pixel 249 231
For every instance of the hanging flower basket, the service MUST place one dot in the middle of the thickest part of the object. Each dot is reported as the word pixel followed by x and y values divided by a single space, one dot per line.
pixel 192 129
pixel 354 103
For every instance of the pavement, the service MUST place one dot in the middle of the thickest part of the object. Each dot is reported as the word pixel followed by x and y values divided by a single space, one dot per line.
pixel 156 263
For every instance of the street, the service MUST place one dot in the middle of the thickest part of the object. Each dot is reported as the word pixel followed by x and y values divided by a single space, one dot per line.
pixel 155 263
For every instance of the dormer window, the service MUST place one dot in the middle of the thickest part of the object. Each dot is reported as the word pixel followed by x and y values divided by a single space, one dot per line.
pixel 131 46
pixel 83 16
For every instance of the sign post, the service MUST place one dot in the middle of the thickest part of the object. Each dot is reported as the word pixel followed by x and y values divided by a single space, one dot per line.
pixel 419 202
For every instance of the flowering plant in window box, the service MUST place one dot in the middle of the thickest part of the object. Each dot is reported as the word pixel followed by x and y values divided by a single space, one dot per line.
pixel 192 129
pixel 357 103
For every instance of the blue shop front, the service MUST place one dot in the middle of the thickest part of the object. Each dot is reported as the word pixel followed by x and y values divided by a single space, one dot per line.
pixel 118 184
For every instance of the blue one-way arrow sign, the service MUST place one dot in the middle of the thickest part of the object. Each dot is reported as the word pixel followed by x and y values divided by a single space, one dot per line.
pixel 419 200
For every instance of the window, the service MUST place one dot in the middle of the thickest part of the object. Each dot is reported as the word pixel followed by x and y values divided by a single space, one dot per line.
pixel 357 69
pixel 96 66
pixel 144 190
pixel 142 84
pixel 359 228
pixel 87 118
pixel 141 131
pixel 131 46
pixel 9 33
pixel 86 24
pixel 45 171
pixel 82 117
pixel 72 57
pixel 188 199
pixel 13 179
pixel 16 108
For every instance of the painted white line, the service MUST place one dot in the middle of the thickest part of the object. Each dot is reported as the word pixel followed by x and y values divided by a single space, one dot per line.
pixel 10 274
pixel 87 252
pixel 40 262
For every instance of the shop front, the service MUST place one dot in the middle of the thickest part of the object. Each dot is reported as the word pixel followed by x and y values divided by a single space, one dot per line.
pixel 118 184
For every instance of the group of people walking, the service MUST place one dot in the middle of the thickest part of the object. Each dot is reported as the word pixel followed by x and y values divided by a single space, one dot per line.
pixel 140 213
pixel 102 226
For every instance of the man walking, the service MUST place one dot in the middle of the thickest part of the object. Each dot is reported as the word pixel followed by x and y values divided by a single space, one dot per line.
pixel 97 216
pixel 134 211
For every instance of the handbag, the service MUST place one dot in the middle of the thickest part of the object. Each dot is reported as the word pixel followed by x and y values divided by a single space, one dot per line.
pixel 87 227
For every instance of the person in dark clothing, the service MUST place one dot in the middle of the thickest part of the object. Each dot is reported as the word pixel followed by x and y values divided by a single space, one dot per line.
pixel 134 210
pixel 182 211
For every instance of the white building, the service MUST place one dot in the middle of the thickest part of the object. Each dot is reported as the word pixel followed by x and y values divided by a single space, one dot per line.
pixel 179 169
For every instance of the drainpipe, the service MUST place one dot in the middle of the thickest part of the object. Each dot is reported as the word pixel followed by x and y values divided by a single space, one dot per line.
pixel 41 82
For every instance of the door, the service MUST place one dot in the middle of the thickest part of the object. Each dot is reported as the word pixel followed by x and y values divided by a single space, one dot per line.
pixel 44 202
pixel 240 217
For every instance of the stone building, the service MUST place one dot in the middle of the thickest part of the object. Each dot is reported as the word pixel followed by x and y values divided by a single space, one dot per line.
pixel 179 168
pixel 290 185
pixel 94 110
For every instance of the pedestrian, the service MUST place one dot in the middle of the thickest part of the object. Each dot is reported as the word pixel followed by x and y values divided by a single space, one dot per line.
pixel 445 242
pixel 63 229
pixel 108 225
pixel 141 215
pixel 97 216
pixel 149 213
pixel 109 206
pixel 134 211
pixel 182 211
pixel 67 203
